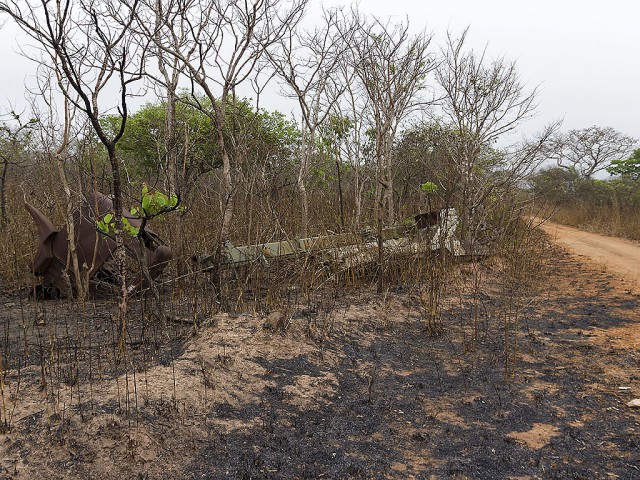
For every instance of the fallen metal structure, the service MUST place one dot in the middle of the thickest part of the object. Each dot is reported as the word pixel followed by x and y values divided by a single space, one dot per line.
pixel 428 232
pixel 94 249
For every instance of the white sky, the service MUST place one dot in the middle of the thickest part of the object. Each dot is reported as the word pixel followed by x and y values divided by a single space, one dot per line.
pixel 585 54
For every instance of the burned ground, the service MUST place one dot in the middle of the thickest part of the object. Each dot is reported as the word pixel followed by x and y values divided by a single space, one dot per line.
pixel 359 392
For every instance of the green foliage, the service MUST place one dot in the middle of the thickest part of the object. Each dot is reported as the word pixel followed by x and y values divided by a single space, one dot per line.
pixel 153 203
pixel 128 228
pixel 565 187
pixel 252 136
pixel 340 126
pixel 425 151
pixel 629 167
pixel 429 188
pixel 143 144
pixel 107 225
pixel 490 160
pixel 556 184
pixel 594 191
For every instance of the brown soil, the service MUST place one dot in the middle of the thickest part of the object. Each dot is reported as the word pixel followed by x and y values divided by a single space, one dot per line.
pixel 357 391
pixel 618 255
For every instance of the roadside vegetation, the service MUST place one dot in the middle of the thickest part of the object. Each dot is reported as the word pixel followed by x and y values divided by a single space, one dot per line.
pixel 574 197
pixel 390 124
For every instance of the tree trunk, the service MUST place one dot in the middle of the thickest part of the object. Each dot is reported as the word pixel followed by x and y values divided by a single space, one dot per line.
pixel 379 213
pixel 79 284
pixel 388 187
pixel 340 191
pixel 119 254
pixel 304 201
pixel 3 193
pixel 302 179
pixel 357 199
pixel 227 197
pixel 171 142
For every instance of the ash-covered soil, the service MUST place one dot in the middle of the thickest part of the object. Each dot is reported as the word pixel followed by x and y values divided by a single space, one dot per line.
pixel 361 391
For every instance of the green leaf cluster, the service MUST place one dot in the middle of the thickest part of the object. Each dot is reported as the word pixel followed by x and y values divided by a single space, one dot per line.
pixel 107 225
pixel 130 229
pixel 629 167
pixel 152 204
pixel 429 188
pixel 251 136
pixel 566 187
pixel 155 203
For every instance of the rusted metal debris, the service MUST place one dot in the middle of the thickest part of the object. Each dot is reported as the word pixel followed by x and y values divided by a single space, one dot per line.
pixel 52 260
pixel 429 231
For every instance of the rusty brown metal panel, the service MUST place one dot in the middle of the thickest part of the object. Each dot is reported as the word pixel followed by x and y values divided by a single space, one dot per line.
pixel 93 247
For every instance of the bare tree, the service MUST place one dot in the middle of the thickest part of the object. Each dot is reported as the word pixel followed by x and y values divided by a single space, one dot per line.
pixel 591 150
pixel 482 101
pixel 15 137
pixel 55 137
pixel 308 62
pixel 354 124
pixel 90 55
pixel 223 46
pixel 392 67
pixel 351 107
pixel 152 19
pixel 91 50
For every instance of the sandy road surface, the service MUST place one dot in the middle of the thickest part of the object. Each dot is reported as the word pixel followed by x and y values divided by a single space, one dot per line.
pixel 620 256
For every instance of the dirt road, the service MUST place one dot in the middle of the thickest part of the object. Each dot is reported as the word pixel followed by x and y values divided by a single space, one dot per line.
pixel 620 256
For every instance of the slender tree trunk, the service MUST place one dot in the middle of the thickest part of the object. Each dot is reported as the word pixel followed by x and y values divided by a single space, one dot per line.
pixel 469 156
pixel 185 161
pixel 379 213
pixel 304 204
pixel 340 191
pixel 227 196
pixel 120 253
pixel 3 193
pixel 302 180
pixel 71 228
pixel 172 84
pixel 388 188
pixel 171 141
pixel 357 199
pixel 228 201
pixel 60 156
